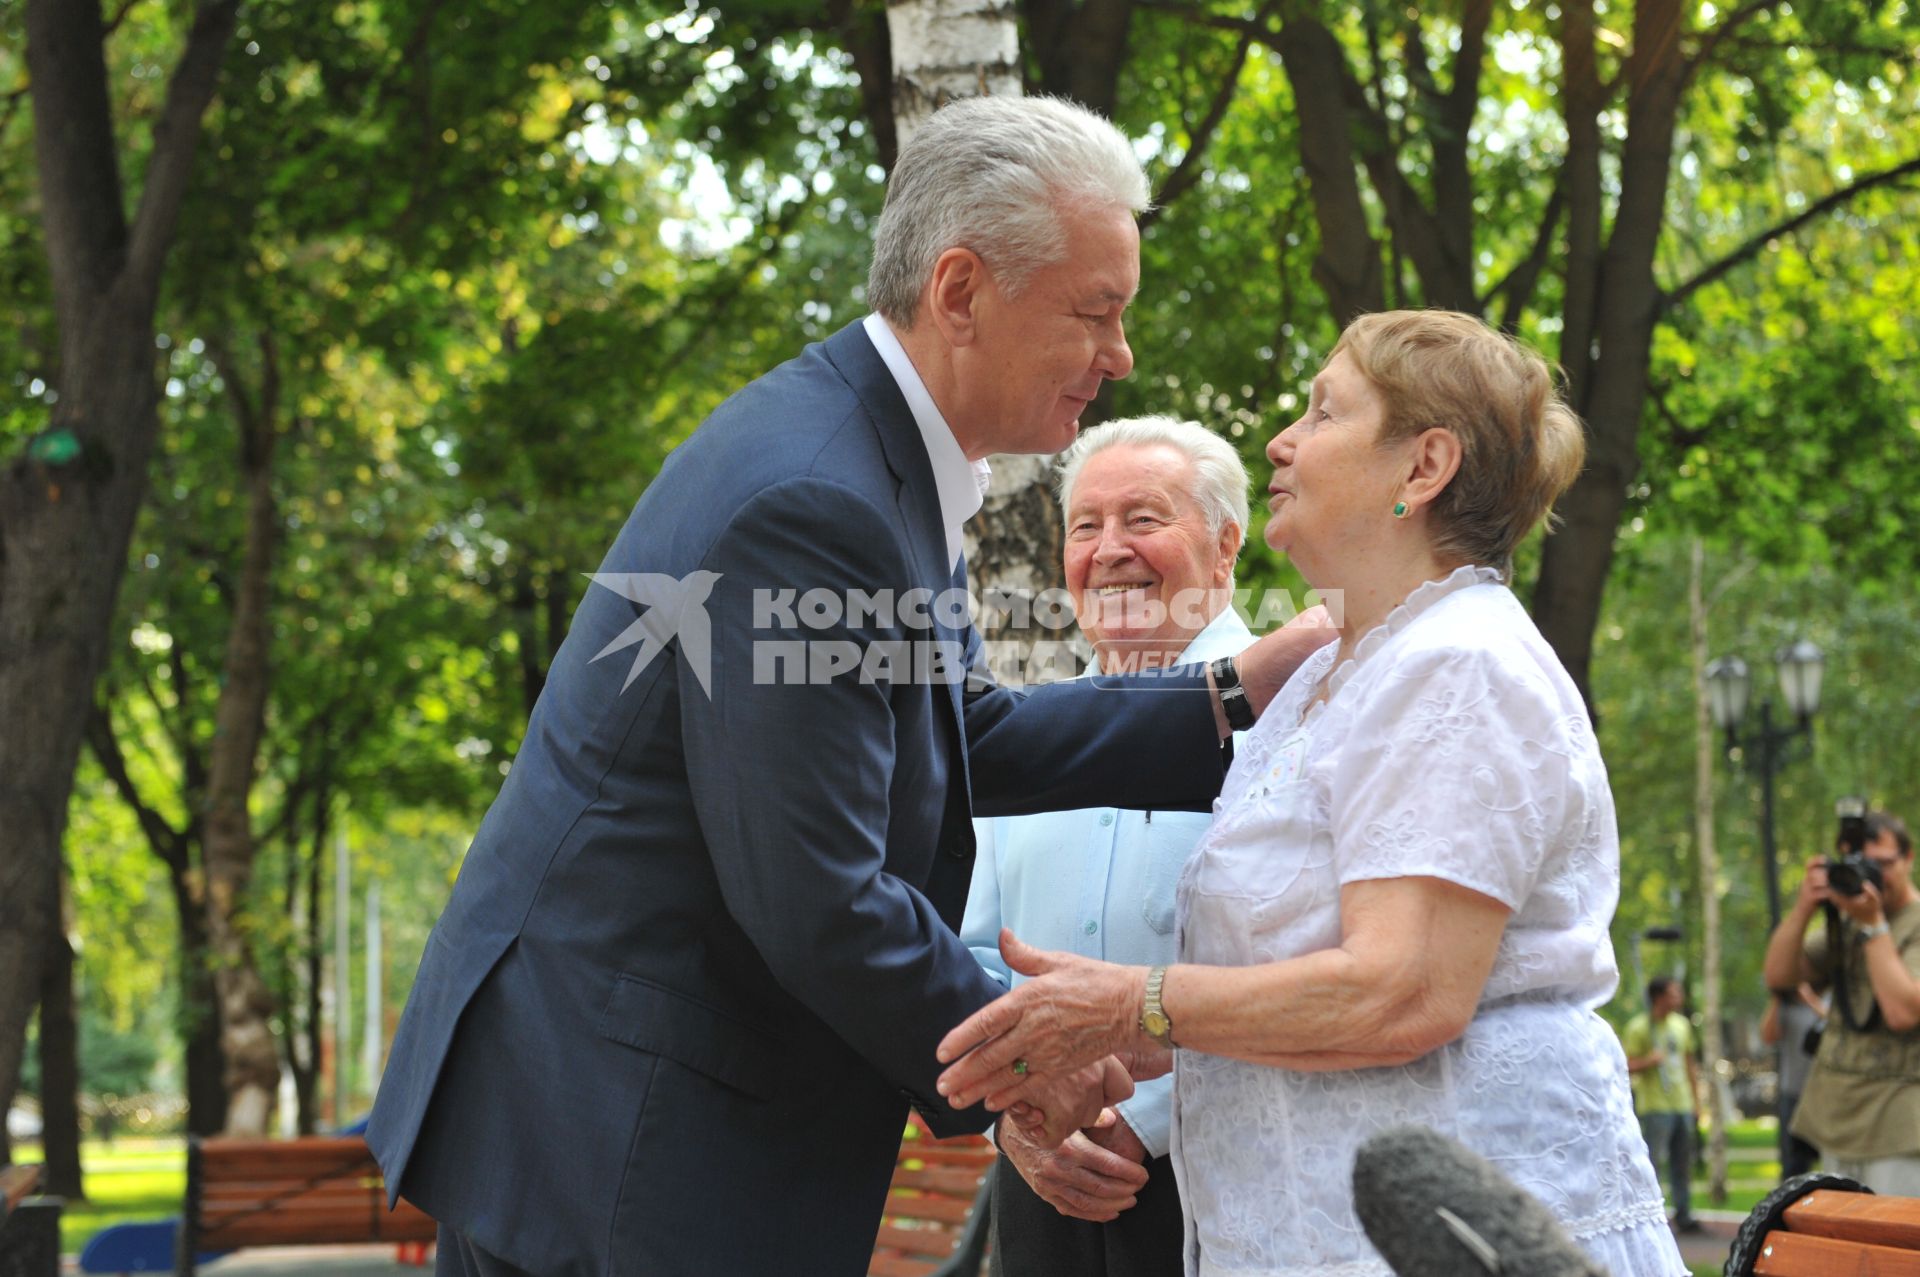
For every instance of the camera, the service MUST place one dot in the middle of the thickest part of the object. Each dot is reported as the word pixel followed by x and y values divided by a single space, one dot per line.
pixel 1848 872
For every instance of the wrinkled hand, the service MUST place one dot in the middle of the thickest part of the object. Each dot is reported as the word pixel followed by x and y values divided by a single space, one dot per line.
pixel 1072 1013
pixel 1082 1099
pixel 1266 666
pixel 1082 1179
pixel 1120 1138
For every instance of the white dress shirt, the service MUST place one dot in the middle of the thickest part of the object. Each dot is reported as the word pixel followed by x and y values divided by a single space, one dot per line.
pixel 962 484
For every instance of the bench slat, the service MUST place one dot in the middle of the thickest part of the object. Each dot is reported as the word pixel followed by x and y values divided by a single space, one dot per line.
pixel 17 1183
pixel 1800 1255
pixel 941 1179
pixel 945 1210
pixel 899 1266
pixel 1861 1217
pixel 937 1242
pixel 318 1227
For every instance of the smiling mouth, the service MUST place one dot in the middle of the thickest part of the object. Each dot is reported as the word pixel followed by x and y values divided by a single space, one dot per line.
pixel 1105 591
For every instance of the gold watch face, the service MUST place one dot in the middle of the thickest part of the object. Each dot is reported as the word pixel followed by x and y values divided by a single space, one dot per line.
pixel 1155 1023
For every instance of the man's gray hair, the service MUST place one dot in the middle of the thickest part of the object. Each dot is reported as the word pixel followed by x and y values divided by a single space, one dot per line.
pixel 1219 476
pixel 993 175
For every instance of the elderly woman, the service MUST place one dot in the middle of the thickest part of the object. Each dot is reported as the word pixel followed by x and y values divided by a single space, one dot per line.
pixel 1400 911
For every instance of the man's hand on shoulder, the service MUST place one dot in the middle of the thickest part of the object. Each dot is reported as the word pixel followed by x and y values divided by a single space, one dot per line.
pixel 1266 666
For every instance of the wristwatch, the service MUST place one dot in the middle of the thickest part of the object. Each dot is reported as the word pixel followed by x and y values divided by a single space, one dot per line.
pixel 1877 929
pixel 1153 1016
pixel 1233 697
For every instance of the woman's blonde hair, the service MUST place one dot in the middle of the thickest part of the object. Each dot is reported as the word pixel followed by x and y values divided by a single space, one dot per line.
pixel 1520 445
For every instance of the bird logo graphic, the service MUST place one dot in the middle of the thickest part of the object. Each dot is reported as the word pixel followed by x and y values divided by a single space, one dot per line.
pixel 675 610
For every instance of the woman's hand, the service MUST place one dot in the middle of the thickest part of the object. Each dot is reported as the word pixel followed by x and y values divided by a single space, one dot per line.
pixel 1072 1012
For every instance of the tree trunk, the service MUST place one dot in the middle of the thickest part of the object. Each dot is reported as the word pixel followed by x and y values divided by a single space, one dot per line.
pixel 1080 46
pixel 199 1014
pixel 1713 1048
pixel 946 49
pixel 1575 560
pixel 67 506
pixel 60 1060
pixel 246 1003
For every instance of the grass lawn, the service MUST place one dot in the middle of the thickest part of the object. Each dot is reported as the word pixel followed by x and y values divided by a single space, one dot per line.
pixel 129 1179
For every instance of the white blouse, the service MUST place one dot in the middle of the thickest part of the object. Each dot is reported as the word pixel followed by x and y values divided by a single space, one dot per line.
pixel 1453 745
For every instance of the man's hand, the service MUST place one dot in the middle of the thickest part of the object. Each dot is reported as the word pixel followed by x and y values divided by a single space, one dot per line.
pixel 1267 665
pixel 1865 909
pixel 1079 1100
pixel 1081 1179
pixel 1814 891
pixel 1119 1138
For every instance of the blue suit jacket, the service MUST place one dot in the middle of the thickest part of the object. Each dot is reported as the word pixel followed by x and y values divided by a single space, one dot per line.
pixel 702 947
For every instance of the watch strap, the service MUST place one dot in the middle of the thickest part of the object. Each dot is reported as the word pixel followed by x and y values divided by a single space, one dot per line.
pixel 1233 696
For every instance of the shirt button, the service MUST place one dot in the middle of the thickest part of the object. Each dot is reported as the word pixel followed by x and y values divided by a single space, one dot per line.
pixel 1092 927
pixel 1106 818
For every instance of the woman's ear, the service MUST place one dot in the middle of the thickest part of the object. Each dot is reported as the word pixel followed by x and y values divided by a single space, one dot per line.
pixel 1433 460
pixel 953 294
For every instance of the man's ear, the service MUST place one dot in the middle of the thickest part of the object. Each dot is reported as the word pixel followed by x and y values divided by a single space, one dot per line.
pixel 1433 460
pixel 1227 550
pixel 953 294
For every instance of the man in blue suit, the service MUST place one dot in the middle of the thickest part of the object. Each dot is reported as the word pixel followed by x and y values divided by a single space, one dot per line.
pixel 702 947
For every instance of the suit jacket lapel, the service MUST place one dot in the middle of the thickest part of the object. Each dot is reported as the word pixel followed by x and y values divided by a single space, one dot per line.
pixel 851 351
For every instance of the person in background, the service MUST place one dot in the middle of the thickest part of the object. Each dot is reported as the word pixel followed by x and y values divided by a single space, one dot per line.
pixel 1794 1022
pixel 1659 1047
pixel 1861 1104
pixel 1155 510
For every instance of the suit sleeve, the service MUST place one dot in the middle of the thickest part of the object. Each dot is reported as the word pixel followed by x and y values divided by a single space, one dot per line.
pixel 1145 742
pixel 791 779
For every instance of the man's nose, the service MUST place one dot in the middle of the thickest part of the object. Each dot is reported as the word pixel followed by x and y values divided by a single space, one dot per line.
pixel 1113 546
pixel 1116 357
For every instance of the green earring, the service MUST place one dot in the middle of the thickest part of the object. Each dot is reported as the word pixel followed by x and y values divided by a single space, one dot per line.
pixel 1399 509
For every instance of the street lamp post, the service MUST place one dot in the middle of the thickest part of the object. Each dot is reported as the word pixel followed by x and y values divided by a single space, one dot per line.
pixel 1767 746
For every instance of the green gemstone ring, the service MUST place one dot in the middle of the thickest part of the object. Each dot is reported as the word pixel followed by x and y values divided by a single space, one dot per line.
pixel 1020 1067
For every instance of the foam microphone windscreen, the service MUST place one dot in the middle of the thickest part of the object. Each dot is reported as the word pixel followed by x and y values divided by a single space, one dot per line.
pixel 1434 1208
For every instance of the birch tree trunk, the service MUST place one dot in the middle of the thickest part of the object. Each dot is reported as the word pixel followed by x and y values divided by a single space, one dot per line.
pixel 1712 1047
pixel 942 50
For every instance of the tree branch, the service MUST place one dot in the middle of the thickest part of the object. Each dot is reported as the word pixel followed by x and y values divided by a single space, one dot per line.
pixel 1728 26
pixel 75 150
pixel 1519 282
pixel 1826 204
pixel 1187 171
pixel 176 135
pixel 168 843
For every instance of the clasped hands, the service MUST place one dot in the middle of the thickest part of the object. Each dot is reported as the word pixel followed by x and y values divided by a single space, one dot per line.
pixel 1054 1055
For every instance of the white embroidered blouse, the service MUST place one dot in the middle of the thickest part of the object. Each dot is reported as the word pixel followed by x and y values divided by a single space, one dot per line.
pixel 1452 745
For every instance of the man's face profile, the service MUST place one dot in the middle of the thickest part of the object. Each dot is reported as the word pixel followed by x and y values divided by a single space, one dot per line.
pixel 1038 358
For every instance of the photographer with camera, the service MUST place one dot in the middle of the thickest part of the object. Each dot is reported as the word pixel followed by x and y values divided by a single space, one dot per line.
pixel 1861 1105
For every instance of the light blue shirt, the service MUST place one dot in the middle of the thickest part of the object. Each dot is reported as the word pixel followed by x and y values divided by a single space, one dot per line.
pixel 1098 881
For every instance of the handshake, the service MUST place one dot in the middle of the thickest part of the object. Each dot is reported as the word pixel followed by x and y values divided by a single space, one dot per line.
pixel 1054 1066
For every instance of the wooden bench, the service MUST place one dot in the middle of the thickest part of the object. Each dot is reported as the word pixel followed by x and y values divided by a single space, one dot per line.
pixel 29 1225
pixel 936 1221
pixel 312 1191
pixel 1828 1226
pixel 17 1183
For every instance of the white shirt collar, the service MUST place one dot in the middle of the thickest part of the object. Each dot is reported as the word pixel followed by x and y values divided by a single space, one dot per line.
pixel 961 484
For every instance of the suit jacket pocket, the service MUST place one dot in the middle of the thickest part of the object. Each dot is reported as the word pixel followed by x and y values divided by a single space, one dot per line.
pixel 659 1020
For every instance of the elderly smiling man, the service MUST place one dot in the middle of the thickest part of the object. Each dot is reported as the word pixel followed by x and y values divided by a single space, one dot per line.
pixel 1156 511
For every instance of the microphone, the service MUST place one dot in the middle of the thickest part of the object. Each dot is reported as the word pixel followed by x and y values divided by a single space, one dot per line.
pixel 1434 1208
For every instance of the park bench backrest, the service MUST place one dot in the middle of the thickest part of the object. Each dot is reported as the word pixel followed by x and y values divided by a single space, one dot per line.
pixel 17 1183
pixel 303 1191
pixel 1829 1232
pixel 936 1218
